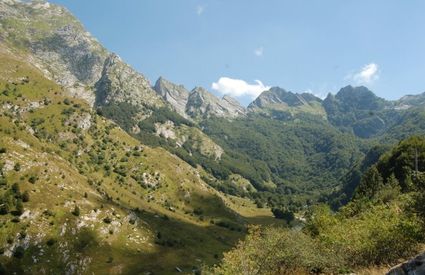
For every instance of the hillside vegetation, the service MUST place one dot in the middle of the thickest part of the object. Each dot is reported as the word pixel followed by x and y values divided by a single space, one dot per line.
pixel 381 225
pixel 73 183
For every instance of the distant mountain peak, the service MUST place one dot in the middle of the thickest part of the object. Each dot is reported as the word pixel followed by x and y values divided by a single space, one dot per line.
pixel 174 94
pixel 280 99
pixel 202 103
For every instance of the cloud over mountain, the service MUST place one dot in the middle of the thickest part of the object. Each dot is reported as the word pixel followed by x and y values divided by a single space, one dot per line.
pixel 238 87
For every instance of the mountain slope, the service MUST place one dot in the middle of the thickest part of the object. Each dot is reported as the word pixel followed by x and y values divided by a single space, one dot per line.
pixel 278 99
pixel 73 184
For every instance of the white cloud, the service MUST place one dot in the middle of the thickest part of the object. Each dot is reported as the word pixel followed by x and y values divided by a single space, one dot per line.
pixel 259 51
pixel 238 87
pixel 367 74
pixel 200 9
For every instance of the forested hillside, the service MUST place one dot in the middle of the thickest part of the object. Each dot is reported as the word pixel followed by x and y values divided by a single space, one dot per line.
pixel 381 225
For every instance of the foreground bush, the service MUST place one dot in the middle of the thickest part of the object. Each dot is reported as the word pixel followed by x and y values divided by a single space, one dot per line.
pixel 330 242
pixel 277 250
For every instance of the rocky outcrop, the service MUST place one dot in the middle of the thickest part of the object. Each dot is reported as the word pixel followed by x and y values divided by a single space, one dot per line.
pixel 174 94
pixel 203 104
pixel 62 49
pixel 199 103
pixel 414 266
pixel 278 98
pixel 233 106
pixel 121 83
pixel 409 101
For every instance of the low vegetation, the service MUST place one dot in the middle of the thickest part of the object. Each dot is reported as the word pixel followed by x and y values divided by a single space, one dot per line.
pixel 381 225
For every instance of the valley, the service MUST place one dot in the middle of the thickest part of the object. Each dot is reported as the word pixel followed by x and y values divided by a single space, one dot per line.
pixel 102 172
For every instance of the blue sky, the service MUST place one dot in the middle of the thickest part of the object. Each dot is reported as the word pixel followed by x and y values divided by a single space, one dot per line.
pixel 240 47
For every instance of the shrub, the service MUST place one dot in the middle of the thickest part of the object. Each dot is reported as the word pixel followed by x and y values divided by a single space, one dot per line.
pixel 51 242
pixel 76 211
pixel 277 251
pixel 4 208
pixel 19 207
pixel 32 179
pixel 19 252
pixel 26 196
pixel 283 214
pixel 17 167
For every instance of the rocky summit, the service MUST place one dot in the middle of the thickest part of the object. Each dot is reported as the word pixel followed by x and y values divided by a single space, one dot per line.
pixel 176 95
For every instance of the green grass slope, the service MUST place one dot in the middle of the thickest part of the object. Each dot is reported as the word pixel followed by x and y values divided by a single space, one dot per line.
pixel 79 195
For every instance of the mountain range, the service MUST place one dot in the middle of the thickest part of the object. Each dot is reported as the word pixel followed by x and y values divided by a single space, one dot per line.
pixel 93 155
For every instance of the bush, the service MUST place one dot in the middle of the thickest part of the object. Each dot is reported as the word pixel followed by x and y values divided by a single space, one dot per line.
pixel 32 179
pixel 51 242
pixel 283 214
pixel 76 211
pixel 17 167
pixel 4 208
pixel 26 196
pixel 19 252
pixel 277 251
pixel 19 207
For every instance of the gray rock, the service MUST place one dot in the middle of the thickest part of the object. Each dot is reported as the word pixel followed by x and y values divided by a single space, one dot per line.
pixel 278 98
pixel 203 104
pixel 415 266
pixel 121 83
pixel 174 94
pixel 62 49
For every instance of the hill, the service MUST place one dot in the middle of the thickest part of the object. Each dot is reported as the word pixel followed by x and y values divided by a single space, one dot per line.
pixel 74 183
pixel 382 225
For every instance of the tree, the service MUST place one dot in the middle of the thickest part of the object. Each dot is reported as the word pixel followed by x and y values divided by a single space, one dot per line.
pixel 283 214
pixel 76 211
pixel 4 208
pixel 19 252
pixel 26 196
pixel 17 167
pixel 16 189
pixel 370 183
pixel 19 207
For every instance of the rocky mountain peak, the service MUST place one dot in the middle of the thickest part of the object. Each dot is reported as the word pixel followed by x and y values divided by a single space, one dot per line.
pixel 174 94
pixel 121 83
pixel 202 103
pixel 279 99
pixel 360 98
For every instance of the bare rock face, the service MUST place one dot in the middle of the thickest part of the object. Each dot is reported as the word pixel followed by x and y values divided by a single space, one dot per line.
pixel 233 106
pixel 412 267
pixel 203 104
pixel 278 98
pixel 61 48
pixel 174 94
pixel 121 83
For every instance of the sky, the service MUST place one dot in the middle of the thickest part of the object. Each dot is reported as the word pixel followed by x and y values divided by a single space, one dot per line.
pixel 242 47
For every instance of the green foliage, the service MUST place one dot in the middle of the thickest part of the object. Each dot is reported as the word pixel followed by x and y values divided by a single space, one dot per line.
pixel 19 207
pixel 396 167
pixel 26 196
pixel 302 155
pixel 277 251
pixel 17 167
pixel 162 115
pixel 76 211
pixel 19 252
pixel 122 113
pixel 284 214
